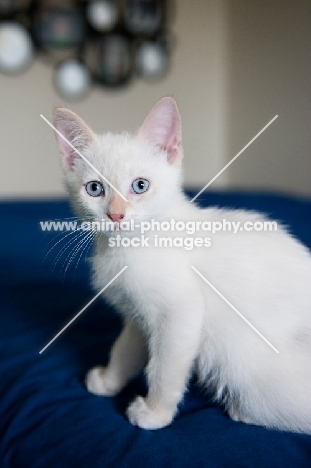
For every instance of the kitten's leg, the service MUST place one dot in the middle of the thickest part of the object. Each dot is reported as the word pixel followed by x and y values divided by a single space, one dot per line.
pixel 173 349
pixel 128 356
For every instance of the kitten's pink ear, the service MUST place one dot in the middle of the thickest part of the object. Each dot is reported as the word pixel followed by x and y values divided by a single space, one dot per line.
pixel 76 132
pixel 162 128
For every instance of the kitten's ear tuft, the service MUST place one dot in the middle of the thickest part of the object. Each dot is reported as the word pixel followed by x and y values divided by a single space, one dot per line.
pixel 162 128
pixel 76 132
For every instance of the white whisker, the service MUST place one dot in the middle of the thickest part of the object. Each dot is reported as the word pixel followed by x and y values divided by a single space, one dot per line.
pixel 65 247
pixel 76 250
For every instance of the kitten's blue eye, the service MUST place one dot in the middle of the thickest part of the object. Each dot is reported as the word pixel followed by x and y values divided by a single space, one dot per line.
pixel 94 189
pixel 140 186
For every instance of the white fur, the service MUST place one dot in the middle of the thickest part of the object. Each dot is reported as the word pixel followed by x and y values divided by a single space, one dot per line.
pixel 176 322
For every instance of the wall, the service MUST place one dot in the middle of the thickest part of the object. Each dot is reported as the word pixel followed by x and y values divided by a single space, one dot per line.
pixel 29 158
pixel 269 74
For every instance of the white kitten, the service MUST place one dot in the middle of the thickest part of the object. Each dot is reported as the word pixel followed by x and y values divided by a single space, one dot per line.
pixel 174 322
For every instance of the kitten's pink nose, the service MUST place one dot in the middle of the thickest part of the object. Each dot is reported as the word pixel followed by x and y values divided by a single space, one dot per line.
pixel 115 217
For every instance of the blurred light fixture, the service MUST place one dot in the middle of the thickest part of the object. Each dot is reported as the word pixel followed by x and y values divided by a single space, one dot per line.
pixel 143 16
pixel 59 27
pixel 115 62
pixel 102 15
pixel 87 41
pixel 16 49
pixel 151 60
pixel 72 79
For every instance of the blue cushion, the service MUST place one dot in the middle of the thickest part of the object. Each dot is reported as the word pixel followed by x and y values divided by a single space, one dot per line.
pixel 48 419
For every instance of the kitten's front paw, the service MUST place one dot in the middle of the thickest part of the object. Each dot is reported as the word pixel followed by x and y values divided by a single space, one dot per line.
pixel 141 415
pixel 97 381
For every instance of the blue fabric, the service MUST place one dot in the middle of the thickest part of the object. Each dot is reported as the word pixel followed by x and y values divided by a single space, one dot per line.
pixel 48 419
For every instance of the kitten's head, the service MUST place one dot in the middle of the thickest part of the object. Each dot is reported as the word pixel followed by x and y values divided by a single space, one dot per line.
pixel 122 176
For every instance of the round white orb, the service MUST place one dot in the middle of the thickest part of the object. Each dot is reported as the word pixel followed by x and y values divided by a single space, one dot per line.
pixel 102 14
pixel 151 60
pixel 72 79
pixel 16 47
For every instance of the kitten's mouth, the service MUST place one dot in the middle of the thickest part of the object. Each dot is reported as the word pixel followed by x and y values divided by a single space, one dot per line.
pixel 121 225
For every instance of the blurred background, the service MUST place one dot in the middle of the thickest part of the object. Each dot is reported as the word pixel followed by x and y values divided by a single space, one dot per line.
pixel 232 65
